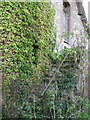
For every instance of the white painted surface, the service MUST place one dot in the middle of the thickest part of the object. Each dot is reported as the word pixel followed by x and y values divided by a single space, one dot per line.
pixel 85 5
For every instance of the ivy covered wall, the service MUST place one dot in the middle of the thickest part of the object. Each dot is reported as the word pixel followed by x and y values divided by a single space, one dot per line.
pixel 27 38
pixel 29 64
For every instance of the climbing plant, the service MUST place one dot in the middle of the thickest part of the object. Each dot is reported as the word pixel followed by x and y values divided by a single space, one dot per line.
pixel 27 39
pixel 29 64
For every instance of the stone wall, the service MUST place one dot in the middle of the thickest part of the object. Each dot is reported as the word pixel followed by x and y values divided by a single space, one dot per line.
pixel 77 38
pixel 75 23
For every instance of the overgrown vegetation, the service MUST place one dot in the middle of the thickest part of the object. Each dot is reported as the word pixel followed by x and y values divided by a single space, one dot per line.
pixel 28 64
pixel 27 33
pixel 67 99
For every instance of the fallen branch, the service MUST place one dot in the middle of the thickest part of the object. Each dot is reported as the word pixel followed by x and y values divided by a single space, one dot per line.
pixel 55 73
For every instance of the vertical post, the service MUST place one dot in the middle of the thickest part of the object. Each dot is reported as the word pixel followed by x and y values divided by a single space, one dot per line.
pixel 89 53
pixel 54 114
pixel 34 107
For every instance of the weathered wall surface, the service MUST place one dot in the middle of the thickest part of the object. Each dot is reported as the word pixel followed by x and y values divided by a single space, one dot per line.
pixel 75 23
pixel 76 27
